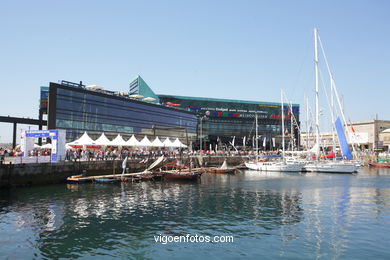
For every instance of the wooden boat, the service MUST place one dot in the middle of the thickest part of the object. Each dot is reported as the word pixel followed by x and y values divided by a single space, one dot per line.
pixel 185 174
pixel 219 170
pixel 379 164
pixel 106 180
pixel 76 179
pixel 223 169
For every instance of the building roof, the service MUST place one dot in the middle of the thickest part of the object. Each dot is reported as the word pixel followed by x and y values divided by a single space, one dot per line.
pixel 220 100
pixel 386 130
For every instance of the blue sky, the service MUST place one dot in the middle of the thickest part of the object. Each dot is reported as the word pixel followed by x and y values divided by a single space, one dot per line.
pixel 225 49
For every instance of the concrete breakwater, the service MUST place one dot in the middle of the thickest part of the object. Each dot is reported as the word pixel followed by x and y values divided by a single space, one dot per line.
pixel 13 175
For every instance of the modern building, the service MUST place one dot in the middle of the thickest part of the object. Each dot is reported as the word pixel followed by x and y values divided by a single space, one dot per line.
pixel 78 108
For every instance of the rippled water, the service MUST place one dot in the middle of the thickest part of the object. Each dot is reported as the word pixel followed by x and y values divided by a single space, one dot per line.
pixel 277 215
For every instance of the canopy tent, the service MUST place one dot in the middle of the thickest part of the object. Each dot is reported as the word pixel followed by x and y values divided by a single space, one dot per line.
pixel 167 143
pixel 157 143
pixel 145 142
pixel 84 141
pixel 177 143
pixel 118 141
pixel 103 140
pixel 46 146
pixel 132 141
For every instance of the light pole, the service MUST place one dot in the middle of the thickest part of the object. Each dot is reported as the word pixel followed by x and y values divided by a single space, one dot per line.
pixel 201 132
pixel 201 129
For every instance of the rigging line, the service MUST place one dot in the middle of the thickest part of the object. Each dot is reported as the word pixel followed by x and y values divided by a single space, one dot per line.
pixel 336 94
pixel 305 57
pixel 292 114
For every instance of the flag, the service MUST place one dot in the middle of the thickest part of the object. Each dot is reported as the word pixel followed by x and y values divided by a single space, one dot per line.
pixel 273 142
pixel 350 124
pixel 264 140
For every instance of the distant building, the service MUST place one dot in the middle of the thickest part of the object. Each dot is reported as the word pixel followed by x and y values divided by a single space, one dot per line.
pixel 372 135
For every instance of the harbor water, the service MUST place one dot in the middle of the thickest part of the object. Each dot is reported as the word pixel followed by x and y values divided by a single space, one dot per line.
pixel 269 216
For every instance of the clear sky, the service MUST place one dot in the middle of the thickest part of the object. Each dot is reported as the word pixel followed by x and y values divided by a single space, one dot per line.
pixel 225 49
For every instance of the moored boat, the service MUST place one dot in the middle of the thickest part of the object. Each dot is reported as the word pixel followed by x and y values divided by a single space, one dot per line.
pixel 186 174
pixel 106 180
pixel 379 164
pixel 223 169
pixel 76 179
pixel 330 167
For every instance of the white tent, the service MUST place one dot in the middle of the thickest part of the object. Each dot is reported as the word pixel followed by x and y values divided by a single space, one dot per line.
pixel 83 140
pixel 157 143
pixel 118 141
pixel 177 143
pixel 103 140
pixel 145 142
pixel 132 141
pixel 167 143
pixel 46 146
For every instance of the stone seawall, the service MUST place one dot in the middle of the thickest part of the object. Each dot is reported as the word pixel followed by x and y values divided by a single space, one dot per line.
pixel 12 175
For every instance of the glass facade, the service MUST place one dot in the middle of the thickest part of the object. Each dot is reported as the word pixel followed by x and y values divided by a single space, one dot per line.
pixel 223 119
pixel 78 110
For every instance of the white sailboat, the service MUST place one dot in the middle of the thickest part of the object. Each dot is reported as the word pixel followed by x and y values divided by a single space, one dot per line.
pixel 317 165
pixel 275 166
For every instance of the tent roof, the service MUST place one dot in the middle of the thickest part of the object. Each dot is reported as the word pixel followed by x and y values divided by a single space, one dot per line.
pixel 102 140
pixel 157 143
pixel 118 141
pixel 83 140
pixel 177 143
pixel 132 141
pixel 145 142
pixel 168 143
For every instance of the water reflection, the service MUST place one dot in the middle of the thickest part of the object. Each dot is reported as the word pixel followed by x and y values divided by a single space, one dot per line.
pixel 305 216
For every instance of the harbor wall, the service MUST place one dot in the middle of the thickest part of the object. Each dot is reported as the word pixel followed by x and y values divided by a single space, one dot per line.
pixel 27 174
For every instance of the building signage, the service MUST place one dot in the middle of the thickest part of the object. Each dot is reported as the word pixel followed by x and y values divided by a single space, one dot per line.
pixel 44 99
pixel 358 138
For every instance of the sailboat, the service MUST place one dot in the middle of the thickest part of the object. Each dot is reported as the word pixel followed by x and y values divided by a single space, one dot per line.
pixel 328 166
pixel 275 166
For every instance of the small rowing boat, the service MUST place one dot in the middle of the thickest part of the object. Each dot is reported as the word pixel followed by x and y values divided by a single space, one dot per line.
pixel 223 169
pixel 379 164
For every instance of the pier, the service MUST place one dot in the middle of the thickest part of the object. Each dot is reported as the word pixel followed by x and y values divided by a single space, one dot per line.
pixel 26 174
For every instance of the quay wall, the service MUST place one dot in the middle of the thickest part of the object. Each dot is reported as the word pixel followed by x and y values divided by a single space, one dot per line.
pixel 12 175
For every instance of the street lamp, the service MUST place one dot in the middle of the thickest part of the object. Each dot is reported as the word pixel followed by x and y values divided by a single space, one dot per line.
pixel 201 129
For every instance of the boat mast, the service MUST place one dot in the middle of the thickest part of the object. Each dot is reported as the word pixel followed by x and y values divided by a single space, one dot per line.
pixel 307 122
pixel 257 140
pixel 281 97
pixel 333 118
pixel 292 128
pixel 317 102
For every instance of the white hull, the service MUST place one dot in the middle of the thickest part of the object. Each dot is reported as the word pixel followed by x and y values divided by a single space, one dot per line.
pixel 331 167
pixel 274 167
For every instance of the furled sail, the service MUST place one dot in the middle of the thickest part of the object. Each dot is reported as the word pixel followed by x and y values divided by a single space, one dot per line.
pixel 342 139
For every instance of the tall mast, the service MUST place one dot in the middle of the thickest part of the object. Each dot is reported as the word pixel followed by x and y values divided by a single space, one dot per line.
pixel 257 140
pixel 281 97
pixel 317 102
pixel 292 127
pixel 333 117
pixel 307 121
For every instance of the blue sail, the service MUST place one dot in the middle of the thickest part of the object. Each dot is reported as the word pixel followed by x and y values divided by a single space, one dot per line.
pixel 342 139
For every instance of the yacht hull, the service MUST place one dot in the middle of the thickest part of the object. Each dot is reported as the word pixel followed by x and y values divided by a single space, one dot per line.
pixel 270 167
